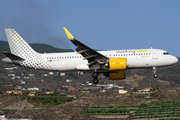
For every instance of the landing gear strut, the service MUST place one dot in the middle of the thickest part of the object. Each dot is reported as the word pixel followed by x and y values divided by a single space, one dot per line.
pixel 95 75
pixel 154 71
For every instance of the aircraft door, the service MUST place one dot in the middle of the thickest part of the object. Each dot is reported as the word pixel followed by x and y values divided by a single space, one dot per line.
pixel 154 54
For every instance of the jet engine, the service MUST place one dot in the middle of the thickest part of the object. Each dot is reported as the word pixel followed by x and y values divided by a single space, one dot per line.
pixel 117 64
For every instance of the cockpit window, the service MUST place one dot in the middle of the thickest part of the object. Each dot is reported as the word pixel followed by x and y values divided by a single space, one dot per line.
pixel 166 53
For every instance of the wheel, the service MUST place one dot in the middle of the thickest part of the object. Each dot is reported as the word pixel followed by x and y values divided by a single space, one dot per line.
pixel 155 75
pixel 95 74
pixel 95 80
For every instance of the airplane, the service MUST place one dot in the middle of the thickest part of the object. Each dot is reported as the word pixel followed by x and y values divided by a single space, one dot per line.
pixel 111 64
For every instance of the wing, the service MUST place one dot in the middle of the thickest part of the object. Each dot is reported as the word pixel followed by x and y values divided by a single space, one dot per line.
pixel 93 57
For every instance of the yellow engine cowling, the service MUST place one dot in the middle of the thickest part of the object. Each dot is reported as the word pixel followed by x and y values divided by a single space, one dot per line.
pixel 117 64
pixel 117 75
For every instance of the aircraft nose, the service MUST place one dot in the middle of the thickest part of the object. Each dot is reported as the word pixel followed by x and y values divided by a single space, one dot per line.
pixel 174 59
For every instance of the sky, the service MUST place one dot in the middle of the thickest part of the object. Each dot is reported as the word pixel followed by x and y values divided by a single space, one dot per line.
pixel 99 24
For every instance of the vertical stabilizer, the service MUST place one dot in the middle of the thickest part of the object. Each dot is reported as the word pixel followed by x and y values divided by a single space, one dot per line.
pixel 17 44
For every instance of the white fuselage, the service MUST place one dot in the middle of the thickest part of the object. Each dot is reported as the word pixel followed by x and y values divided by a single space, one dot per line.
pixel 141 58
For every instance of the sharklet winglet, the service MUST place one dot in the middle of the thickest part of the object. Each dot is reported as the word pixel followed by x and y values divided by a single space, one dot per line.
pixel 68 34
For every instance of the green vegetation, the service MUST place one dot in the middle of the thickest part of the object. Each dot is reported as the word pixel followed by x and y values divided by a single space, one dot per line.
pixel 106 111
pixel 158 110
pixel 143 105
pixel 152 110
pixel 109 110
pixel 134 89
pixel 7 110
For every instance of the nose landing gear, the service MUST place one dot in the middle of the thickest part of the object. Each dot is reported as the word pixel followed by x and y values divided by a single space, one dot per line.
pixel 154 71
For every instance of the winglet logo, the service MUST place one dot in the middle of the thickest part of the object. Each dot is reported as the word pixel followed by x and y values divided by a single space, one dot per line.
pixel 16 38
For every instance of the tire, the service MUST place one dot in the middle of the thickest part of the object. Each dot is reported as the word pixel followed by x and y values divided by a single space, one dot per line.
pixel 95 74
pixel 155 75
pixel 95 81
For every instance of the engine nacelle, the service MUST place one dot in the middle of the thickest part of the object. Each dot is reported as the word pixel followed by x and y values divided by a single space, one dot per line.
pixel 117 64
pixel 117 75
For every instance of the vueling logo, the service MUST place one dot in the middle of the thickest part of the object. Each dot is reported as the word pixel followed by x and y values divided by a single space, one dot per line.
pixel 139 51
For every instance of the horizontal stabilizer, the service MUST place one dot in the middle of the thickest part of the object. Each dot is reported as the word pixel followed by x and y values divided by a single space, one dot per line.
pixel 12 56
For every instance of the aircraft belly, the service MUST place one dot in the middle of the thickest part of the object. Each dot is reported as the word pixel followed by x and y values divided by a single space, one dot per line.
pixel 139 63
pixel 71 66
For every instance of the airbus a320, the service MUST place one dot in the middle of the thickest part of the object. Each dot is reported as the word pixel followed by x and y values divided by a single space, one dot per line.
pixel 111 64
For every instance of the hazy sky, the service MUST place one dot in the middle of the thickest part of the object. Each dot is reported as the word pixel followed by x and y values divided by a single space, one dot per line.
pixel 100 24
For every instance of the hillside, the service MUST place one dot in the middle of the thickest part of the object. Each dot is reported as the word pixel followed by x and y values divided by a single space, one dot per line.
pixel 41 48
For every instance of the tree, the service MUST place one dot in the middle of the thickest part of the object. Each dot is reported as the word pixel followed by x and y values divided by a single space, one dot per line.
pixel 26 93
pixel 43 89
pixel 134 89
pixel 143 105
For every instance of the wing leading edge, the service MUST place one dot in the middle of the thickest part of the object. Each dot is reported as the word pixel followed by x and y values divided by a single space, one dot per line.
pixel 94 58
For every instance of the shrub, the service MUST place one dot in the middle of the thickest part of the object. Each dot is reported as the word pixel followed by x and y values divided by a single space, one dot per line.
pixel 143 105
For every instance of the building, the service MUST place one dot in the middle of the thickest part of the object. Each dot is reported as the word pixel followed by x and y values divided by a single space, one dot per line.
pixel 103 91
pixel 31 75
pixel 18 87
pixel 50 92
pixel 45 75
pixel 33 89
pixel 31 94
pixel 62 74
pixel 11 75
pixel 2 115
pixel 8 68
pixel 14 92
pixel 148 89
pixel 121 91
pixel 51 73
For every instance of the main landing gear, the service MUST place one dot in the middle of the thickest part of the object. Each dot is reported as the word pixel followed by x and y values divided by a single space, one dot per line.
pixel 154 71
pixel 95 75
